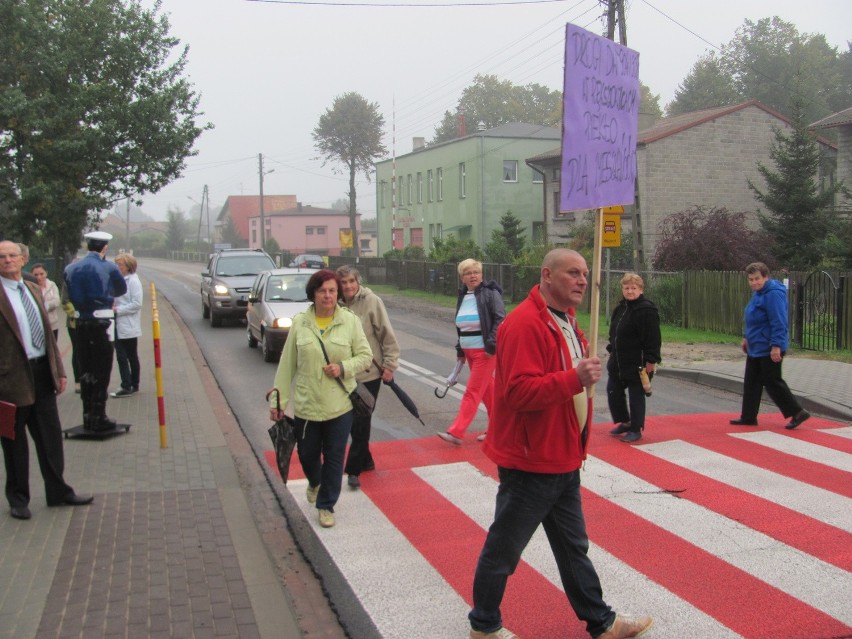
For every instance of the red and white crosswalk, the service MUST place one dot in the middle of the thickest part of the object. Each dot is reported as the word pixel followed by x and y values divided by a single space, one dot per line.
pixel 716 531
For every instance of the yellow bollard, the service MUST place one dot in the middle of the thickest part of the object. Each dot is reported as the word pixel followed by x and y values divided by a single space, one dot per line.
pixel 158 364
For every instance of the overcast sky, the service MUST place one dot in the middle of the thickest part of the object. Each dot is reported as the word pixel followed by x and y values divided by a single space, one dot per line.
pixel 268 69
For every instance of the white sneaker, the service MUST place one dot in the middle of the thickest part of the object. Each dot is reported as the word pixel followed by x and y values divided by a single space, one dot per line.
pixel 481 437
pixel 312 493
pixel 502 633
pixel 326 518
pixel 450 438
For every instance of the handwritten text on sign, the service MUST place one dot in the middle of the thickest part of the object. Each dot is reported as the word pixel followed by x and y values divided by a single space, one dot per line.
pixel 600 121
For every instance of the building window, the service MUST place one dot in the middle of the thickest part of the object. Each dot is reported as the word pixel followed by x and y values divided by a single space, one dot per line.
pixel 416 237
pixel 419 187
pixel 410 189
pixel 538 176
pixel 309 230
pixel 555 175
pixel 510 170
pixel 430 185
pixel 538 233
pixel 321 230
pixel 440 184
pixel 400 192
pixel 462 180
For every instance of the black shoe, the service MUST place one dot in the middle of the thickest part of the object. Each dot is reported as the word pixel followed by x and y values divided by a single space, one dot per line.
pixel 353 481
pixel 801 417
pixel 122 392
pixel 103 425
pixel 20 512
pixel 622 428
pixel 743 422
pixel 75 500
pixel 632 436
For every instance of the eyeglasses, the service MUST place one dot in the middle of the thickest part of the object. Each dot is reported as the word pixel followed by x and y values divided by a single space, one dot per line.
pixel 4 256
pixel 466 273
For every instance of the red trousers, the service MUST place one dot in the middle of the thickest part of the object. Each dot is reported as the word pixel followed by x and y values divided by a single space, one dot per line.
pixel 479 387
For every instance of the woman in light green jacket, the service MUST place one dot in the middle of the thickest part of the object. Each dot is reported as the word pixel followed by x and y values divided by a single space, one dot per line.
pixel 322 409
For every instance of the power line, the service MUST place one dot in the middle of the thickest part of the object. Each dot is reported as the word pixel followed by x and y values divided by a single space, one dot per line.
pixel 407 5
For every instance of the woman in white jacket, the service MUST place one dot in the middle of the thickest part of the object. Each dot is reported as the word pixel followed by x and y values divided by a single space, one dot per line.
pixel 128 323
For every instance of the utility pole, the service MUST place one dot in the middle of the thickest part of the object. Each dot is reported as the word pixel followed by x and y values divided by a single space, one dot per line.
pixel 127 227
pixel 615 13
pixel 262 223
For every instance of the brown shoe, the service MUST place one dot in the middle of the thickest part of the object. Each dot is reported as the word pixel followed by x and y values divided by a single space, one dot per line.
pixel 624 627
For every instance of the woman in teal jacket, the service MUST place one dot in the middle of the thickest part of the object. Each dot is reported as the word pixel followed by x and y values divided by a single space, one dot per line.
pixel 322 410
pixel 765 342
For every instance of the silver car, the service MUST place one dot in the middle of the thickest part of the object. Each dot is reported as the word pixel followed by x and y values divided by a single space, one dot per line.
pixel 276 296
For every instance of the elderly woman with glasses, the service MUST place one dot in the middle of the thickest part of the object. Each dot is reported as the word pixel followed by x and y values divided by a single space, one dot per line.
pixel 479 311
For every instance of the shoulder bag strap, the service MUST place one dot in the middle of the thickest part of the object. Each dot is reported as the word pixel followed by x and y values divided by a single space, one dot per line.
pixel 337 379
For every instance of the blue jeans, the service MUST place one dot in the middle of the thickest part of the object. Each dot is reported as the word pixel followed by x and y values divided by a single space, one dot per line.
pixel 525 500
pixel 321 447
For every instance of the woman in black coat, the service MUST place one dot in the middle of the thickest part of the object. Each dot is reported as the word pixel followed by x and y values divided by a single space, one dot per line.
pixel 634 343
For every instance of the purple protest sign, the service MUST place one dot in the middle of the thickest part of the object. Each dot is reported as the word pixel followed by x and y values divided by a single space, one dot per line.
pixel 599 122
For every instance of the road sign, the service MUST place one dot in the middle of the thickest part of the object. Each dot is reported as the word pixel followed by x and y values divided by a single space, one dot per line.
pixel 611 231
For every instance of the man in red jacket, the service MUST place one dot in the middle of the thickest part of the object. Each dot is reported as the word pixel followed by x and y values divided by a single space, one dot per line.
pixel 537 435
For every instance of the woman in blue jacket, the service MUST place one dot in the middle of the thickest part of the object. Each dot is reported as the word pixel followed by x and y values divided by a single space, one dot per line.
pixel 765 342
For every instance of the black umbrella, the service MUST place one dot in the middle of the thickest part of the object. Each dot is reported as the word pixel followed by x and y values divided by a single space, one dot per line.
pixel 405 399
pixel 283 439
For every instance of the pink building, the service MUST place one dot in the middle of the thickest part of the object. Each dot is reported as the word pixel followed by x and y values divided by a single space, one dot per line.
pixel 303 229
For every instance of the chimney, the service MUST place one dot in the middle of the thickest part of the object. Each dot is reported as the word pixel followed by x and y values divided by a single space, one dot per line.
pixel 417 143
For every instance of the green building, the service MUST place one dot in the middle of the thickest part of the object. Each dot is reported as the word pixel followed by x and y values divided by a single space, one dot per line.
pixel 462 187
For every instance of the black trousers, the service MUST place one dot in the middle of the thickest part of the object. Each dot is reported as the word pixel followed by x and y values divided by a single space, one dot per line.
pixel 760 373
pixel 615 388
pixel 127 356
pixel 94 354
pixel 360 457
pixel 75 364
pixel 42 420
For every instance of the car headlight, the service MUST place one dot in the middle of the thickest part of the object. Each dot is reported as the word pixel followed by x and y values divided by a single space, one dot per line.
pixel 282 322
pixel 220 289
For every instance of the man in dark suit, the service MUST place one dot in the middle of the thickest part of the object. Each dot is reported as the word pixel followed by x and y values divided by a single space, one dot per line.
pixel 31 375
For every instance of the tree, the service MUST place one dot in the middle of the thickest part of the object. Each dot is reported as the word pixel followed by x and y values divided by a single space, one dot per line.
pixel 451 250
pixel 707 85
pixel 799 215
pixel 350 132
pixel 93 108
pixel 495 102
pixel 507 243
pixel 699 239
pixel 769 60
pixel 230 235
pixel 176 231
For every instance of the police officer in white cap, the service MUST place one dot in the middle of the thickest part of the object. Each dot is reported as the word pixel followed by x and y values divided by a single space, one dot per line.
pixel 92 283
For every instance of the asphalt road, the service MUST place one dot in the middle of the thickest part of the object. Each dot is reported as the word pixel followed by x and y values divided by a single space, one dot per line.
pixel 427 358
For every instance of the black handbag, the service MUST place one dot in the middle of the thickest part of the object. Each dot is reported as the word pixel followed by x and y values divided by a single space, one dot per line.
pixel 362 399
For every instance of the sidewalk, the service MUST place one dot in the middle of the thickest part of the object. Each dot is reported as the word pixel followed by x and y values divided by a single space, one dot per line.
pixel 171 546
pixel 822 387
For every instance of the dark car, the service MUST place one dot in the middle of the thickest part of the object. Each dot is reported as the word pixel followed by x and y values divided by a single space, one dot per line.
pixel 226 283
pixel 276 297
pixel 307 260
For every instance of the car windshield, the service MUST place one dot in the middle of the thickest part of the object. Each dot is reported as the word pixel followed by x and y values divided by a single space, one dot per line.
pixel 243 265
pixel 287 288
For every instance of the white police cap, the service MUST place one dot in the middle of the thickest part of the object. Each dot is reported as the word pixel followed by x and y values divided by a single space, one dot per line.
pixel 99 236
